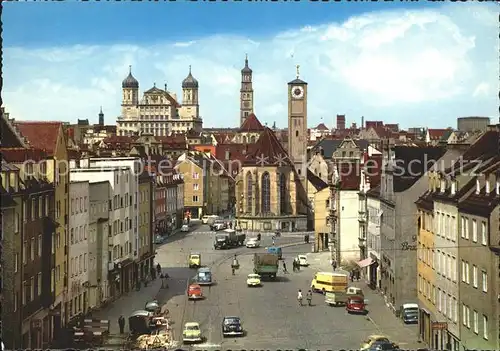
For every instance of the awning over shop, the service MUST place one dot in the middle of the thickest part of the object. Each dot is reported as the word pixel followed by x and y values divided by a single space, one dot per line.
pixel 365 263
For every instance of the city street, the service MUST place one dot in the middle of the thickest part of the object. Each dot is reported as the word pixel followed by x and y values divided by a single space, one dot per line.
pixel 270 314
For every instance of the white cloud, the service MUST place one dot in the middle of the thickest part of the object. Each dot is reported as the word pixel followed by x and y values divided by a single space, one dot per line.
pixel 421 67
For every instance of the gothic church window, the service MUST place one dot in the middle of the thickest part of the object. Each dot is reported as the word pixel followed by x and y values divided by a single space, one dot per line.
pixel 283 194
pixel 249 192
pixel 266 193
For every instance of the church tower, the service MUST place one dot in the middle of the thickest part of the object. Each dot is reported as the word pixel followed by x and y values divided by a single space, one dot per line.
pixel 246 93
pixel 190 96
pixel 297 126
pixel 130 88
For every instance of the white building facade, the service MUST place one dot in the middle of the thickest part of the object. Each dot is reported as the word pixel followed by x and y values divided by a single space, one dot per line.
pixel 78 296
pixel 158 112
pixel 349 227
pixel 122 229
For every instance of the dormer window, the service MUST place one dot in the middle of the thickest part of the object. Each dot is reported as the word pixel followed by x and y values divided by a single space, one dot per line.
pixel 478 186
pixel 442 185
pixel 487 185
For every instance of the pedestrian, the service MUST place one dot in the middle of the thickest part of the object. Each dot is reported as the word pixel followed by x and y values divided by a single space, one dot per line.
pixel 309 297
pixel 352 276
pixel 121 324
pixel 299 297
pixel 284 267
pixel 334 264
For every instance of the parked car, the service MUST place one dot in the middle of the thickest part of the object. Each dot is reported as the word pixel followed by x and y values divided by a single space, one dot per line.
pixel 409 313
pixel 373 339
pixel 232 326
pixel 159 239
pixel 218 225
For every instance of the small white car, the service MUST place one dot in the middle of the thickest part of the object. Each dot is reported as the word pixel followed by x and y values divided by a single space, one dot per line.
pixel 253 280
pixel 302 260
pixel 253 243
pixel 185 228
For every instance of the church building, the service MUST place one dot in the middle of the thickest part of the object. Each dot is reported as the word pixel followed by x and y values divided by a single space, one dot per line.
pixel 271 187
pixel 158 112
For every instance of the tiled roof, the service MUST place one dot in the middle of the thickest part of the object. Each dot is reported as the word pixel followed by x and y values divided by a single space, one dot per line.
pixel 412 163
pixel 251 124
pixel 118 139
pixel 374 124
pixel 321 126
pixel 232 156
pixel 483 148
pixel 350 176
pixel 268 151
pixel 435 134
pixel 17 155
pixel 425 201
pixel 40 135
pixel 316 181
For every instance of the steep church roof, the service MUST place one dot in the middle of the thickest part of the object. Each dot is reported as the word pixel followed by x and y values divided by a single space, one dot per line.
pixel 267 151
pixel 251 124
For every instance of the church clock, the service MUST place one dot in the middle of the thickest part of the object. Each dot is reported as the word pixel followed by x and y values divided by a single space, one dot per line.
pixel 297 92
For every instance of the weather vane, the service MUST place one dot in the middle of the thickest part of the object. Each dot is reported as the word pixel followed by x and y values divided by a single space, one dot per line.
pixel 298 67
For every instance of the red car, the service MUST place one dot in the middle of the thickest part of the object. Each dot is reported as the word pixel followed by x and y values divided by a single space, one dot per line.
pixel 356 304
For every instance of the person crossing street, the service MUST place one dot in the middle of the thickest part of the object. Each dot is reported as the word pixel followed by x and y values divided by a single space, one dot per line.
pixel 299 297
pixel 309 298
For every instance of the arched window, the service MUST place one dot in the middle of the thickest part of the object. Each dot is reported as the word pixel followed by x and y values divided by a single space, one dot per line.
pixel 283 194
pixel 266 193
pixel 249 192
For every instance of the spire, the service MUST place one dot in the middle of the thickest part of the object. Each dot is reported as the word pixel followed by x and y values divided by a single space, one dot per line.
pixel 154 84
pixel 189 69
pixel 298 71
pixel 129 69
pixel 100 111
pixel 247 68
pixel 246 60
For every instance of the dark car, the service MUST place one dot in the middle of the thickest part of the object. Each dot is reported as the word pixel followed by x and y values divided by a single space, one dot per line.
pixel 383 346
pixel 231 326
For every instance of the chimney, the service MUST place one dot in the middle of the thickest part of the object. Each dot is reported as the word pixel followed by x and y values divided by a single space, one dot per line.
pixel 478 186
pixel 340 122
pixel 498 184
pixel 487 184
pixel 453 187
pixel 362 122
pixel 442 185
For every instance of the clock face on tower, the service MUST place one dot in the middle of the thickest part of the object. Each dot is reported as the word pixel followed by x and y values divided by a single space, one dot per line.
pixel 297 92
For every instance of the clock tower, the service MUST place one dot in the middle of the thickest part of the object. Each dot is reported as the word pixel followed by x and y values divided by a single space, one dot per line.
pixel 297 126
pixel 246 93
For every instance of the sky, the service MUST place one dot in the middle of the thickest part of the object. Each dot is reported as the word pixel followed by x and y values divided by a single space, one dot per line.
pixel 416 64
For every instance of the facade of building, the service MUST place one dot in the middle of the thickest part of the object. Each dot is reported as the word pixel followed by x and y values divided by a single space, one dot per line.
pixel 99 195
pixel 158 111
pixel 321 207
pixel 195 183
pixel 53 141
pixel 145 224
pixel 400 188
pixel 26 208
pixel 472 124
pixel 246 93
pixel 171 199
pixel 77 299
pixel 179 178
pixel 269 191
pixel 161 222
pixel 373 219
pixel 121 206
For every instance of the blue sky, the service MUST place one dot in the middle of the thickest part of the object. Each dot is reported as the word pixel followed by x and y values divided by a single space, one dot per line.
pixel 410 63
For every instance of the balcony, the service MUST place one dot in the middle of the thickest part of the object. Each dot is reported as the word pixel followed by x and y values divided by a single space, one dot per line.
pixel 361 241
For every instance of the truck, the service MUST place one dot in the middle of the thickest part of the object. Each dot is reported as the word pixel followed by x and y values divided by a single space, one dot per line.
pixel 266 264
pixel 229 238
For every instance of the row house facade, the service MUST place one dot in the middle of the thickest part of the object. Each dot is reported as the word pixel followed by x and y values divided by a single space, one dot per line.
pixel 160 208
pixel 98 239
pixel 77 299
pixel 30 241
pixel 122 216
pixel 400 186
pixel 50 136
pixel 457 265
pixel 146 224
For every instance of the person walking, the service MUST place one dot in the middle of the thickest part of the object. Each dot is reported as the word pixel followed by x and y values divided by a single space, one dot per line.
pixel 121 324
pixel 299 297
pixel 284 267
pixel 309 298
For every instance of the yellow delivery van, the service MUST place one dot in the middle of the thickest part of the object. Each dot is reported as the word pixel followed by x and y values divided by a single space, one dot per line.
pixel 329 282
